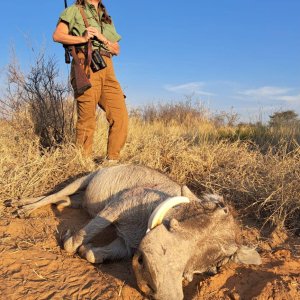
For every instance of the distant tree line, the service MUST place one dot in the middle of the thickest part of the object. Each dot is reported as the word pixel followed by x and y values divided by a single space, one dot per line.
pixel 284 118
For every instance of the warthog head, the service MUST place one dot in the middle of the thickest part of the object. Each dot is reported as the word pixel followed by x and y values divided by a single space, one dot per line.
pixel 194 237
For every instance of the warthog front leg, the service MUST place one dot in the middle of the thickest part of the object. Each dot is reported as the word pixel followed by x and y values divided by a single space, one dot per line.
pixel 107 216
pixel 115 250
pixel 84 235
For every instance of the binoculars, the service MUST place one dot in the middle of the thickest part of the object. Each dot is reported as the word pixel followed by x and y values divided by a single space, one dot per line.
pixel 97 62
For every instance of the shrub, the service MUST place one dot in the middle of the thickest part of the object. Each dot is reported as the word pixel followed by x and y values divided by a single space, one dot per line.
pixel 38 100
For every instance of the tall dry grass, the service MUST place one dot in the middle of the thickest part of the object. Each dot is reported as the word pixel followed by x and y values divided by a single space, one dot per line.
pixel 260 184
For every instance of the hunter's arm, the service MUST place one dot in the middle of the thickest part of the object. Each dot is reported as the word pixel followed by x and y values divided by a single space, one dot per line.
pixel 61 35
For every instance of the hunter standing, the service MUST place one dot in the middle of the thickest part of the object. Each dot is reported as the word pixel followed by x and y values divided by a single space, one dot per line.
pixel 87 23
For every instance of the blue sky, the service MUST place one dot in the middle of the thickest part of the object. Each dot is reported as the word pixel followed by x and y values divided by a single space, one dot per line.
pixel 229 54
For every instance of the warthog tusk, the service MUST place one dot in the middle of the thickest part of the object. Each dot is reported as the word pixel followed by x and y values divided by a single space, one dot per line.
pixel 160 211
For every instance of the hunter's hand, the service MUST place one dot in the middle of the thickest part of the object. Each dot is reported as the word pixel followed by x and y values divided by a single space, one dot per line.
pixel 96 33
pixel 88 35
pixel 114 48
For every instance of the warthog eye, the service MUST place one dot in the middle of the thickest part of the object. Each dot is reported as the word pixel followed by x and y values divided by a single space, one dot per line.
pixel 221 204
pixel 140 259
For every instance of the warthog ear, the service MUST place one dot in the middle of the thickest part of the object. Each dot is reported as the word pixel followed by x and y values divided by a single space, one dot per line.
pixel 213 198
pixel 246 255
pixel 212 201
pixel 186 192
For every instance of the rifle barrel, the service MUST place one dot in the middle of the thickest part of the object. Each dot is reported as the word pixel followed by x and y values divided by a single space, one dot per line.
pixel 67 53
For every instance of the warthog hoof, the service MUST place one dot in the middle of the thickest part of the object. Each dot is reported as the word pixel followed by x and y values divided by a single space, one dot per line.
pixel 67 240
pixel 8 203
pixel 86 251
pixel 71 243
pixel 12 203
pixel 21 213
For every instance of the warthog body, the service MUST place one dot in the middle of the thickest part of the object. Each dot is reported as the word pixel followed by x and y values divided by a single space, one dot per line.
pixel 190 238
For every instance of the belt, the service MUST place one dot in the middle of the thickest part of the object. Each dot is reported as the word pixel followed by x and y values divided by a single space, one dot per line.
pixel 105 53
pixel 101 51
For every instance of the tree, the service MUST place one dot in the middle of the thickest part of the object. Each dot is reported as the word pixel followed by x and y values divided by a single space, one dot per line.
pixel 284 118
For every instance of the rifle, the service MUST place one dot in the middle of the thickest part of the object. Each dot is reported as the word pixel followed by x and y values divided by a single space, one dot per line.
pixel 67 50
pixel 82 82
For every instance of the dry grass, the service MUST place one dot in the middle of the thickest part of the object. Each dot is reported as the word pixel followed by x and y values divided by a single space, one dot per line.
pixel 264 184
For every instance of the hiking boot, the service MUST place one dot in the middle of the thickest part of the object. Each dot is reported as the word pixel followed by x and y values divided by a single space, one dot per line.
pixel 110 162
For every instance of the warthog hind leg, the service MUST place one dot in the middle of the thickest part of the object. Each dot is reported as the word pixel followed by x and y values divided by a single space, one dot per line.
pixel 115 250
pixel 68 196
pixel 73 201
pixel 15 203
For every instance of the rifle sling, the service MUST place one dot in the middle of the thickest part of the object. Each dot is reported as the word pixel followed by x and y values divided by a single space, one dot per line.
pixel 89 43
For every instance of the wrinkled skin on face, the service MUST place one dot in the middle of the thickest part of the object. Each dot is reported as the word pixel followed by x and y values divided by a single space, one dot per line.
pixel 198 237
pixel 159 267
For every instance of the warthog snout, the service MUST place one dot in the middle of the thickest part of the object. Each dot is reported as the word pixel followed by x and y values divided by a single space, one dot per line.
pixel 143 275
pixel 154 283
pixel 160 262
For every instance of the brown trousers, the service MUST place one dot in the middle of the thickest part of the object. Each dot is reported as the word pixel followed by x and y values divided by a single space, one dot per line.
pixel 105 92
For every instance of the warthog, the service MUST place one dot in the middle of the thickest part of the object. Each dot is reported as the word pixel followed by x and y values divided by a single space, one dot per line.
pixel 173 233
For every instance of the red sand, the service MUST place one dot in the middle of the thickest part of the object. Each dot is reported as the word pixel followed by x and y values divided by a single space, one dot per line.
pixel 33 266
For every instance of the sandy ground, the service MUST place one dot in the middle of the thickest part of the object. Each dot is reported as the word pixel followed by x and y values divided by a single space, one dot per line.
pixel 33 266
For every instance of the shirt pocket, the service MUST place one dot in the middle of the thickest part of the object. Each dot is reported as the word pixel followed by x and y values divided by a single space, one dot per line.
pixel 78 26
pixel 78 19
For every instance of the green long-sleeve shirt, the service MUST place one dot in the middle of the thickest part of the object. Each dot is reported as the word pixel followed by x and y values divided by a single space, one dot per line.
pixel 73 18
